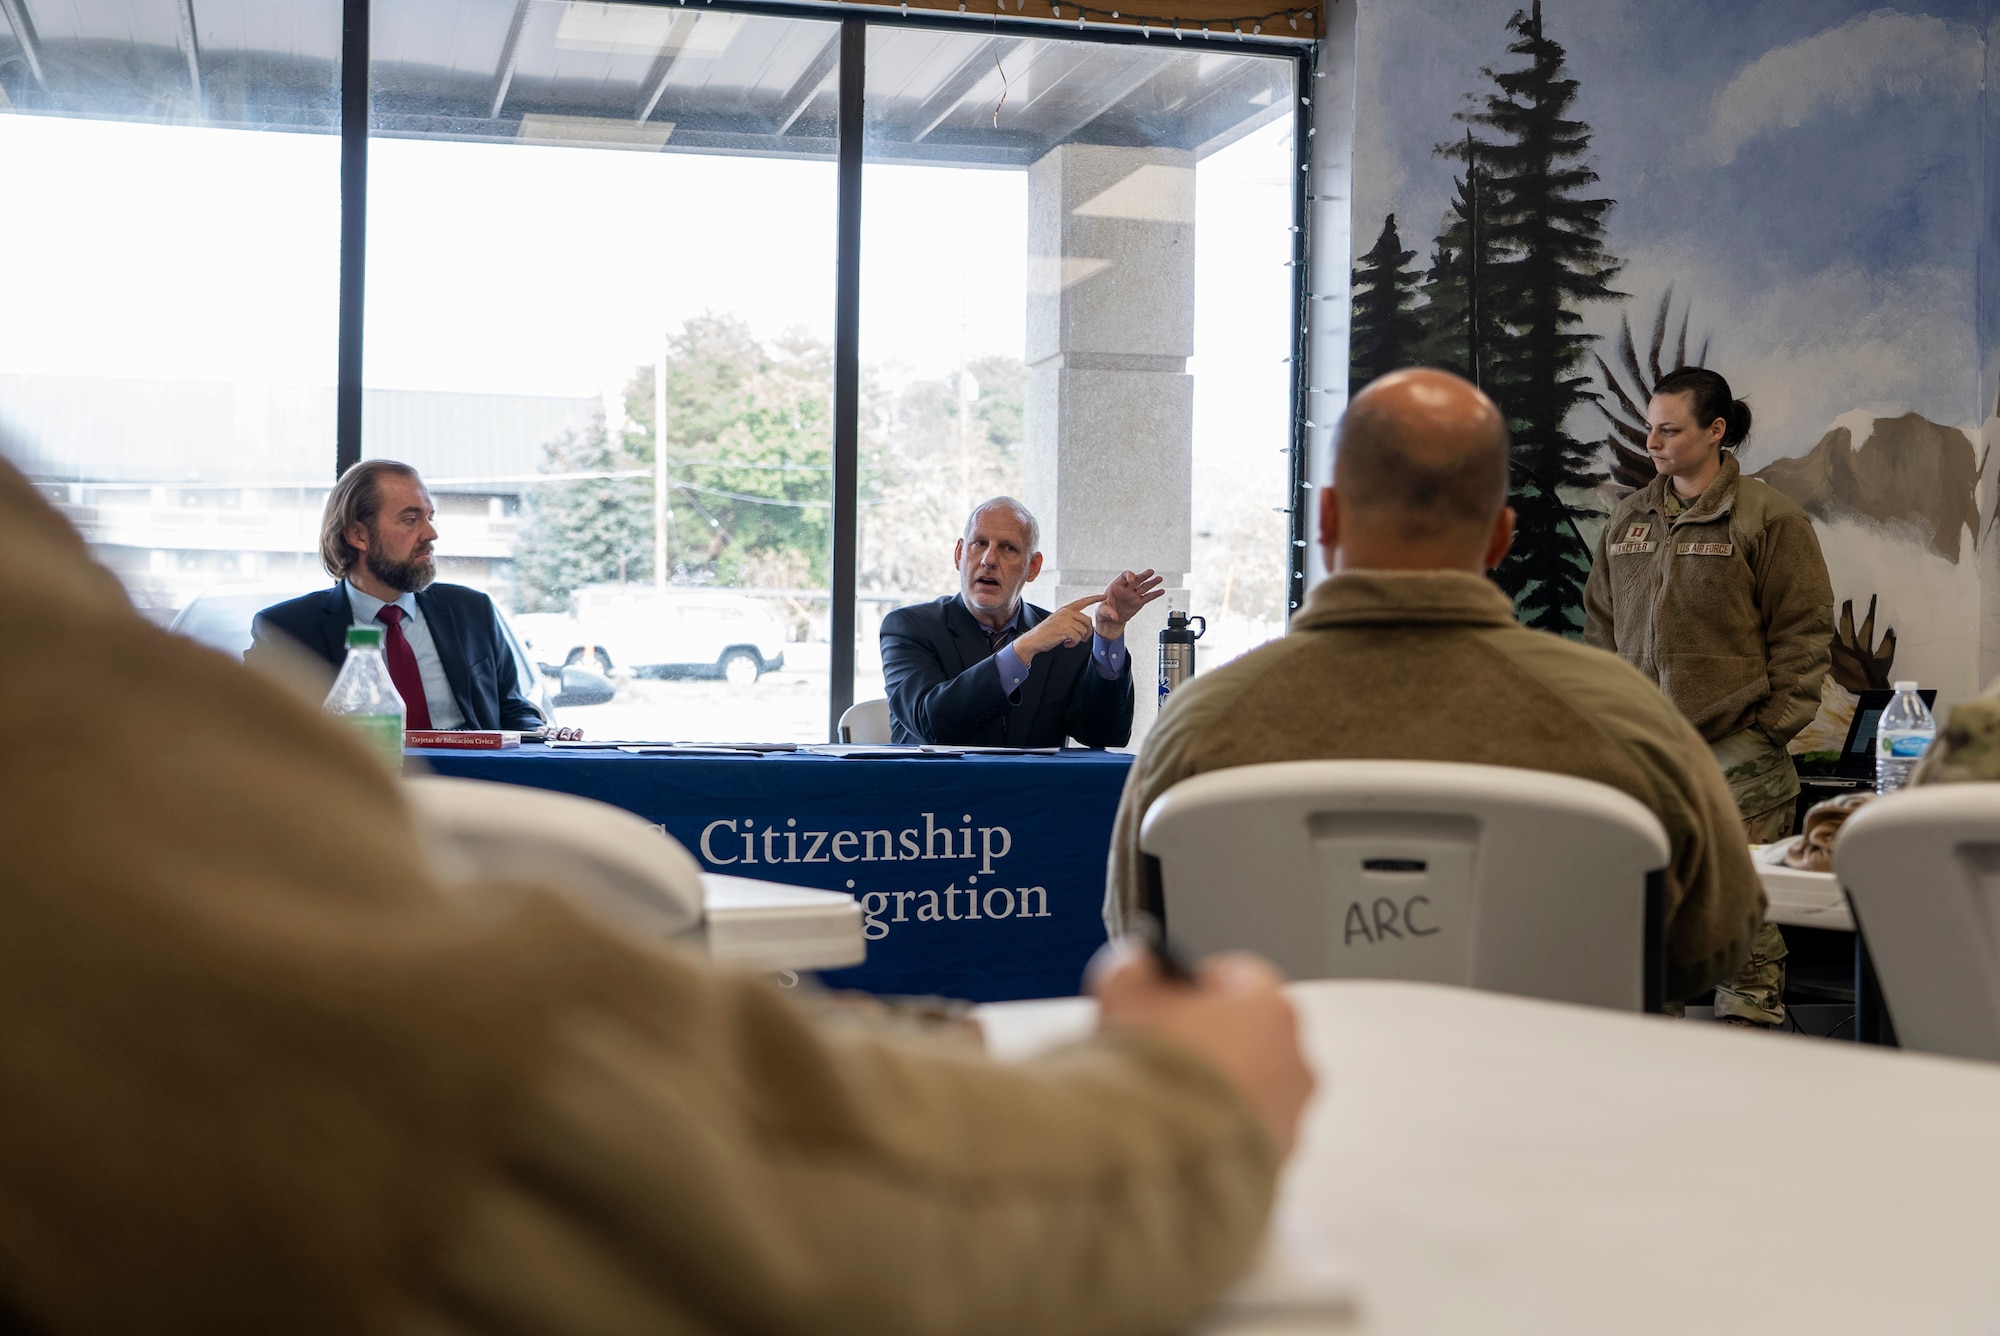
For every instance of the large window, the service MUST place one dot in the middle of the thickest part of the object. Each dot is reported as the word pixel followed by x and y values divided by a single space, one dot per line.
pixel 603 257
pixel 171 265
pixel 614 359
pixel 1075 292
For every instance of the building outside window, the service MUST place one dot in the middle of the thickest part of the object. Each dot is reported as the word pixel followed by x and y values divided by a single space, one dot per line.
pixel 172 283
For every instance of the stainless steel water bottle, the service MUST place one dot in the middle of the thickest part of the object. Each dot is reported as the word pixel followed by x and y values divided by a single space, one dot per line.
pixel 1177 650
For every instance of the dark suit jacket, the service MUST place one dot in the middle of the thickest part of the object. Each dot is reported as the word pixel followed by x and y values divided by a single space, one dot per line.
pixel 463 624
pixel 945 688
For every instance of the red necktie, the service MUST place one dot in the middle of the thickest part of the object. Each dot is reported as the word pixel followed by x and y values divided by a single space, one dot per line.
pixel 403 669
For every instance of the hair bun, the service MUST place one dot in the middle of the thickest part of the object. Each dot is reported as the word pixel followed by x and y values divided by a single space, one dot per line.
pixel 1736 422
pixel 1710 398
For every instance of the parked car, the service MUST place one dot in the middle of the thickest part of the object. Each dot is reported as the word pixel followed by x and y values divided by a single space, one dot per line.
pixel 220 617
pixel 675 632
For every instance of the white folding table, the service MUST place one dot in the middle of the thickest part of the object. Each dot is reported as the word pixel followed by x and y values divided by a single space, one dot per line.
pixel 766 925
pixel 1801 899
pixel 1482 1163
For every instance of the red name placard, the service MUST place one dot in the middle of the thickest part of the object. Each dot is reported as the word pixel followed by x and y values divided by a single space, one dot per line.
pixel 462 739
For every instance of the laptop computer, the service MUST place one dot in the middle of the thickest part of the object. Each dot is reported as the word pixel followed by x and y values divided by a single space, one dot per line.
pixel 1857 753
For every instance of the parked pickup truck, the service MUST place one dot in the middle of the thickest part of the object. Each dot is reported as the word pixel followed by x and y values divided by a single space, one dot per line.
pixel 675 632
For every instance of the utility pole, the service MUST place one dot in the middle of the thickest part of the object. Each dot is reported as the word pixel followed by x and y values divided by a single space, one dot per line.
pixel 662 512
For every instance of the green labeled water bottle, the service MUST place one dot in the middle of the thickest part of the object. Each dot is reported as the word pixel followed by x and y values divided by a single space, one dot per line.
pixel 365 695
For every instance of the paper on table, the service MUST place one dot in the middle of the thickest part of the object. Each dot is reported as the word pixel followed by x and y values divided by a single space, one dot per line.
pixel 862 751
pixel 1018 1030
pixel 1297 1284
pixel 636 744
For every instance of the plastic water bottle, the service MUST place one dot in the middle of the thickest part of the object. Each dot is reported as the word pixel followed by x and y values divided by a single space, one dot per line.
pixel 365 695
pixel 1901 738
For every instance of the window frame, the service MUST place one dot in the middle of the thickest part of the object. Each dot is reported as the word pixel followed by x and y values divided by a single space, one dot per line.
pixel 855 21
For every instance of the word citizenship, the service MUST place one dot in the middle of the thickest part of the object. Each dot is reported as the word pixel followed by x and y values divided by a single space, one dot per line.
pixel 728 842
pixel 999 902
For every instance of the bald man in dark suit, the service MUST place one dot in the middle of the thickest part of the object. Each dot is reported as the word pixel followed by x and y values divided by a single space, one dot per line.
pixel 982 667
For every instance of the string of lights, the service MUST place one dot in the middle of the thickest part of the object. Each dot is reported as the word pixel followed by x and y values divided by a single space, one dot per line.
pixel 1168 23
pixel 1165 23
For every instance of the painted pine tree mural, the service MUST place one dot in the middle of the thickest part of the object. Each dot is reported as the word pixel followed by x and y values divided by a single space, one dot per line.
pixel 1540 257
pixel 1385 331
pixel 1460 255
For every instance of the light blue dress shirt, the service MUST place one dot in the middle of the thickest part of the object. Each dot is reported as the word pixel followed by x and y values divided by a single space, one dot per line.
pixel 1107 655
pixel 437 687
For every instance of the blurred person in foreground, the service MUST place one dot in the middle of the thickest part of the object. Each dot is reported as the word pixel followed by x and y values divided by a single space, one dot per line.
pixel 985 667
pixel 1408 652
pixel 447 655
pixel 264 1074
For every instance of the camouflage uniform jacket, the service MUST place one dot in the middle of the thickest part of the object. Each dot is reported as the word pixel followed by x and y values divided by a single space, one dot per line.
pixel 1727 607
pixel 1432 666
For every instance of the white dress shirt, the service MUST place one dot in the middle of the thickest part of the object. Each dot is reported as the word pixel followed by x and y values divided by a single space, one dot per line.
pixel 437 687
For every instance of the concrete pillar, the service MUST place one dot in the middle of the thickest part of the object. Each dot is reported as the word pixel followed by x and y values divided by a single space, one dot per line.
pixel 1109 438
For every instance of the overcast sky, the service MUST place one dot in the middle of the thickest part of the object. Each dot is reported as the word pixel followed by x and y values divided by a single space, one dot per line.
pixel 196 254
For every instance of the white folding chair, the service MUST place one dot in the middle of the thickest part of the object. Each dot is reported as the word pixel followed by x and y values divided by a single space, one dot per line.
pixel 1518 881
pixel 866 721
pixel 618 865
pixel 607 857
pixel 1921 869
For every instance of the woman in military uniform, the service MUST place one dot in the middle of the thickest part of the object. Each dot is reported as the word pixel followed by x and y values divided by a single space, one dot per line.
pixel 1712 584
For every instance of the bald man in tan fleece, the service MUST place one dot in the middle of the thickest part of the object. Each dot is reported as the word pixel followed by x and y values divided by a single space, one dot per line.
pixel 1408 652
pixel 260 1073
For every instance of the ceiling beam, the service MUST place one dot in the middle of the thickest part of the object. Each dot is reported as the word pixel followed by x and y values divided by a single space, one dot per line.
pixel 510 56
pixel 24 33
pixel 191 48
pixel 942 102
pixel 1145 67
pixel 1209 118
pixel 807 86
pixel 676 41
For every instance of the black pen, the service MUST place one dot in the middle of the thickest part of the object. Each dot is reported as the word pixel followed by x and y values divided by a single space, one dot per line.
pixel 1154 934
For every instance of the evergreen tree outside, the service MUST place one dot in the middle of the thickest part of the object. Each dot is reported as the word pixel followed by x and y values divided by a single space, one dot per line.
pixel 583 531
pixel 749 443
pixel 749 452
pixel 1386 331
pixel 1546 259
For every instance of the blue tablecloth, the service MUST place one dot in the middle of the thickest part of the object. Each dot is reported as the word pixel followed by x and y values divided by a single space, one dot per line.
pixel 982 877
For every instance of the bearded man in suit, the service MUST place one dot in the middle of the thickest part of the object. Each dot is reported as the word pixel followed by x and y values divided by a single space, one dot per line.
pixel 446 652
pixel 983 667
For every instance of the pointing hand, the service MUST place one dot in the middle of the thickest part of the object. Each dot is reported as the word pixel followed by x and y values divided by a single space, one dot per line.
pixel 1067 625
